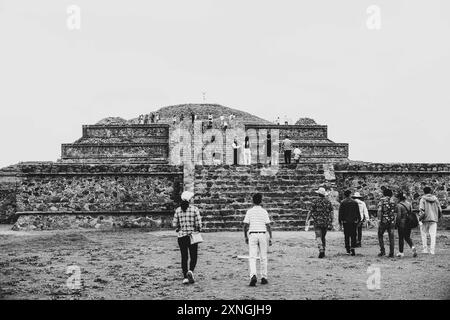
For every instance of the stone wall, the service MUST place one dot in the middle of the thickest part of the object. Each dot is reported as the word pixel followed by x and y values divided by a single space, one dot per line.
pixel 7 204
pixel 368 178
pixel 81 189
pixel 144 151
pixel 8 189
pixel 117 143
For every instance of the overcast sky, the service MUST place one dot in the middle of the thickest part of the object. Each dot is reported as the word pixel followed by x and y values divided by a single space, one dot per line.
pixel 385 92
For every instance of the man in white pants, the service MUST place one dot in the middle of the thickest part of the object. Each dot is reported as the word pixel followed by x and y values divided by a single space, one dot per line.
pixel 257 224
pixel 430 212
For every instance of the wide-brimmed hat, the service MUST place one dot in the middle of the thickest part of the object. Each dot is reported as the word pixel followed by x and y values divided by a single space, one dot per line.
pixel 357 195
pixel 187 195
pixel 322 191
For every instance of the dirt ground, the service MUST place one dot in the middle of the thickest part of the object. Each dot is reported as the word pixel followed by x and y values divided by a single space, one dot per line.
pixel 135 264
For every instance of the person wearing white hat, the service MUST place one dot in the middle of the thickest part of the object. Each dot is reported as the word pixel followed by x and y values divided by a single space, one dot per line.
pixel 322 215
pixel 364 217
pixel 187 220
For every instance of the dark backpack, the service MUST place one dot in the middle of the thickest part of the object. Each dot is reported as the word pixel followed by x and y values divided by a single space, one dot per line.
pixel 388 211
pixel 411 220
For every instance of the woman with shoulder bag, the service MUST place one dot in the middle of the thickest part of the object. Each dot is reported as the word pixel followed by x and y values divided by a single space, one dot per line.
pixel 404 208
pixel 187 221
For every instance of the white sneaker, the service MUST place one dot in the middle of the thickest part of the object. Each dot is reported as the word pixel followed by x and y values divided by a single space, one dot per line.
pixel 185 281
pixel 190 276
pixel 400 255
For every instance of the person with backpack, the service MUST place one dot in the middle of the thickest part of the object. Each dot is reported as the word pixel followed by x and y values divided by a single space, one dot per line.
pixel 430 212
pixel 387 212
pixel 405 221
pixel 349 217
pixel 187 220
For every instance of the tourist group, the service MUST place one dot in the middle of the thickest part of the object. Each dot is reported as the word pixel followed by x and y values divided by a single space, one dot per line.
pixel 394 212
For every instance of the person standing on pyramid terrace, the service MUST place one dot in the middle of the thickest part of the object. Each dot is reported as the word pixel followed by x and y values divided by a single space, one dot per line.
pixel 387 212
pixel 287 147
pixel 364 217
pixel 256 226
pixel 210 120
pixel 269 148
pixel 322 215
pixel 404 208
pixel 430 212
pixel 247 152
pixel 297 153
pixel 235 147
pixel 187 220
pixel 225 125
pixel 349 218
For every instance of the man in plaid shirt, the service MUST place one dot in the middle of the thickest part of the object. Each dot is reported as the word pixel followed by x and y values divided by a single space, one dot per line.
pixel 186 221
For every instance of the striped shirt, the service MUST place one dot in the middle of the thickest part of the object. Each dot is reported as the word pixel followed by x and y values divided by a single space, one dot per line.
pixel 257 218
pixel 187 222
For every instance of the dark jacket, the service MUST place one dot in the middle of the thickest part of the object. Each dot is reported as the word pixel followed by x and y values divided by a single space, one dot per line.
pixel 349 211
pixel 403 208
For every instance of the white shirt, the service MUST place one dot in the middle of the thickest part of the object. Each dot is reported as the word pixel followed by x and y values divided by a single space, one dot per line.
pixel 297 153
pixel 363 209
pixel 257 218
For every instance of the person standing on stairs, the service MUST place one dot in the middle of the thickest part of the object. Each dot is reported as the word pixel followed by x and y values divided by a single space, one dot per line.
pixel 287 147
pixel 235 147
pixel 297 154
pixel 187 220
pixel 322 215
pixel 269 148
pixel 247 152
pixel 256 227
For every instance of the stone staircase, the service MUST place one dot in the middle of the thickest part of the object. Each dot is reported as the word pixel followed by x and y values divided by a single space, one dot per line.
pixel 224 193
